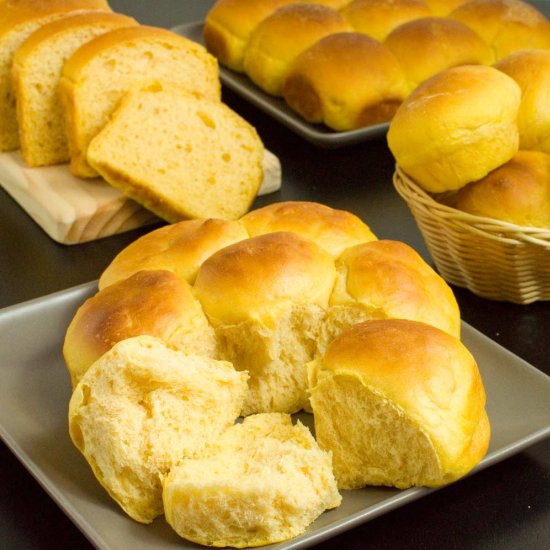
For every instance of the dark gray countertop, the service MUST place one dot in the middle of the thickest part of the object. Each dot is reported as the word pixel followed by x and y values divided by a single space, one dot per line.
pixel 506 506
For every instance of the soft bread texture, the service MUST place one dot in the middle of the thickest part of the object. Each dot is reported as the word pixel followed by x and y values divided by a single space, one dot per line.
pixel 269 52
pixel 142 408
pixel 18 20
pixel 517 192
pixel 229 24
pixel 179 247
pixel 456 127
pixel 266 298
pixel 36 71
pixel 345 80
pixel 179 155
pixel 378 18
pixel 266 483
pixel 387 280
pixel 531 70
pixel 155 303
pixel 399 403
pixel 99 73
pixel 429 45
pixel 332 229
pixel 506 25
pixel 442 8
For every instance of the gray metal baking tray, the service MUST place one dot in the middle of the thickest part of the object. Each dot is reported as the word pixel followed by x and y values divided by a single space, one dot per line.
pixel 34 395
pixel 317 134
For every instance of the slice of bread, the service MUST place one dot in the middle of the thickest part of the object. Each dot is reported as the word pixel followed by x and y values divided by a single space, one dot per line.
pixel 99 73
pixel 266 483
pixel 141 408
pixel 36 71
pixel 18 20
pixel 179 155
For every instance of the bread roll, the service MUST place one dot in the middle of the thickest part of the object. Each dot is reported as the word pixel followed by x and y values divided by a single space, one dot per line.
pixel 378 18
pixel 18 20
pixel 142 408
pixel 36 71
pixel 180 247
pixel 179 155
pixel 399 403
pixel 229 24
pixel 266 298
pixel 345 80
pixel 531 70
pixel 266 483
pixel 333 230
pixel 517 192
pixel 387 280
pixel 445 139
pixel 270 51
pixel 429 45
pixel 154 303
pixel 506 25
pixel 100 72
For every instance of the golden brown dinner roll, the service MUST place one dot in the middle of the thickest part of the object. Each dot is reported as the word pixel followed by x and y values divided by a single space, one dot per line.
pixel 346 80
pixel 506 25
pixel 143 407
pixel 378 18
pixel 229 24
pixel 180 247
pixel 517 192
pixel 387 280
pixel 531 70
pixel 332 229
pixel 18 20
pixel 266 482
pixel 429 45
pixel 399 403
pixel 266 297
pixel 282 36
pixel 444 139
pixel 155 303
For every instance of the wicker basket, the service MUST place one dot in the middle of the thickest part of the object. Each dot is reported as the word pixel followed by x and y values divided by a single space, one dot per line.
pixel 493 259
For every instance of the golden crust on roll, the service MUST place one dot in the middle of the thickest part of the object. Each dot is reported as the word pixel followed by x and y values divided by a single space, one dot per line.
pixel 429 45
pixel 399 403
pixel 517 192
pixel 378 18
pixel 332 229
pixel 346 80
pixel 441 8
pixel 154 303
pixel 389 280
pixel 456 127
pixel 266 298
pixel 506 25
pixel 270 51
pixel 229 24
pixel 531 70
pixel 180 247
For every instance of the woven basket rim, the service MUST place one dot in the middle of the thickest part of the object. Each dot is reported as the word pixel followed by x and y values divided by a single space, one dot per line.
pixel 488 227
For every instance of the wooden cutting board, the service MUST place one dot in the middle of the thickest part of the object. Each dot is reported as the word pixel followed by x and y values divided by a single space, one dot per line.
pixel 73 210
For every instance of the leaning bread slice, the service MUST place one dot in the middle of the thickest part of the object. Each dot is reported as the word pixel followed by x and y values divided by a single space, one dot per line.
pixel 266 483
pixel 179 155
pixel 143 407
pixel 18 20
pixel 99 73
pixel 36 71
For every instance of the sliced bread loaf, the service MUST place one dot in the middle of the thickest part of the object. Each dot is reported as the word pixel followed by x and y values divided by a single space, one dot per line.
pixel 18 20
pixel 36 71
pixel 179 155
pixel 99 73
